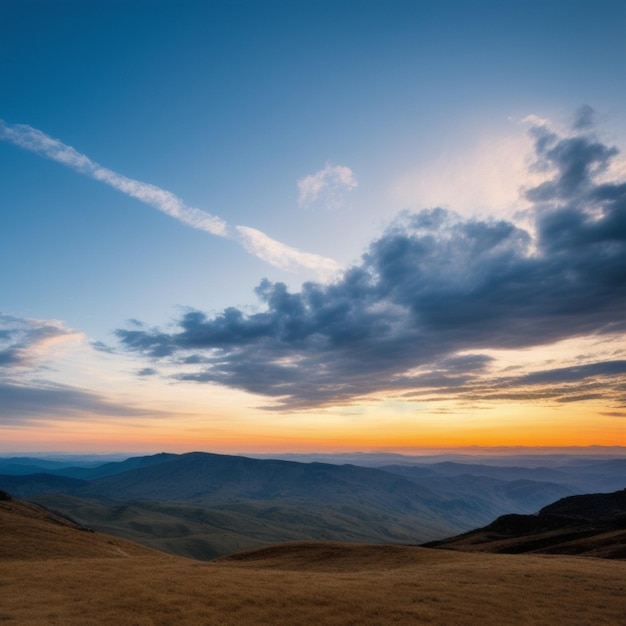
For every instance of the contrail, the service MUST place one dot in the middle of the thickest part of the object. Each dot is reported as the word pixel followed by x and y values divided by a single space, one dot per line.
pixel 253 241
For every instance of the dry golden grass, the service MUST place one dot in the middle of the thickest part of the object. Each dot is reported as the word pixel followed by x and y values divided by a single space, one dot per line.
pixel 29 532
pixel 71 583
pixel 341 585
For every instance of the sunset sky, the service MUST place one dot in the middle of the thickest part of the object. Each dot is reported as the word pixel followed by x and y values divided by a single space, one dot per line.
pixel 269 226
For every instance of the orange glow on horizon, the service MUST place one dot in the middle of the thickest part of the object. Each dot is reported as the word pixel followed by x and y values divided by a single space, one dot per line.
pixel 513 427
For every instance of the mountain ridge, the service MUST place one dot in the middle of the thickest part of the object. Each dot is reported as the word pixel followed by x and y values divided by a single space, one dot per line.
pixel 589 525
pixel 204 505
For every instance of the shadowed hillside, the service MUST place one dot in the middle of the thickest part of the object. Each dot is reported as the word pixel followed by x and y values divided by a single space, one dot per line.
pixel 591 525
pixel 28 531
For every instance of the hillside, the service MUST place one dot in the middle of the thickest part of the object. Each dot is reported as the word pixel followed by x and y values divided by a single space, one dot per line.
pixel 590 525
pixel 55 573
pixel 30 532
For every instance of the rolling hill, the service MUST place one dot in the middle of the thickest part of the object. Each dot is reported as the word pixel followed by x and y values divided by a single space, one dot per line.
pixel 590 525
pixel 54 573
pixel 30 532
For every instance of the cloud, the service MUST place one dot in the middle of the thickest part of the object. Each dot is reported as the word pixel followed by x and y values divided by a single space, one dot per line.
pixel 429 297
pixel 147 371
pixel 285 257
pixel 36 141
pixel 604 380
pixel 28 346
pixel 48 401
pixel 585 118
pixel 100 346
pixel 329 185
pixel 24 342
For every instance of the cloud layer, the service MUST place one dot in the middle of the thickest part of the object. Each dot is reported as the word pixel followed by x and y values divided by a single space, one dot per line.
pixel 430 297
pixel 254 241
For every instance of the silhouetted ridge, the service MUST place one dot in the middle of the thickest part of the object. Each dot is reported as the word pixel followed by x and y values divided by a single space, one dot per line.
pixel 593 525
pixel 597 506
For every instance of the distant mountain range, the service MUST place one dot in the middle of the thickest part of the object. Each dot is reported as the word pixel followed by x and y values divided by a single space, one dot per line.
pixel 205 505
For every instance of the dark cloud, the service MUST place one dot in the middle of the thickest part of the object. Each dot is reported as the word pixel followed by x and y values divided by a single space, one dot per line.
pixel 147 371
pixel 24 403
pixel 574 373
pixel 102 347
pixel 602 380
pixel 584 118
pixel 427 297
pixel 11 356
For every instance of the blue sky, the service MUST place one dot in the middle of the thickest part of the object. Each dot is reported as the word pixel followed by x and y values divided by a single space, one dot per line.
pixel 305 129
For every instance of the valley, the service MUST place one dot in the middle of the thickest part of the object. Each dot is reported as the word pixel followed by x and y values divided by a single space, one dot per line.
pixel 203 506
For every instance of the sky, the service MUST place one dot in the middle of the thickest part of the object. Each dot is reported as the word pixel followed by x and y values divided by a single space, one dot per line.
pixel 267 226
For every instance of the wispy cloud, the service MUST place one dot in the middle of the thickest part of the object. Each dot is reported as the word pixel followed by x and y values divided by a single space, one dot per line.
pixel 285 257
pixel 25 342
pixel 30 352
pixel 431 296
pixel 47 401
pixel 328 185
pixel 254 241
pixel 34 140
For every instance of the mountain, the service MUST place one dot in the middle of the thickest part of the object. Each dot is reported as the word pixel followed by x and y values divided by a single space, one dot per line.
pixel 212 479
pixel 578 474
pixel 449 468
pixel 487 496
pixel 597 507
pixel 88 470
pixel 36 484
pixel 591 525
pixel 205 505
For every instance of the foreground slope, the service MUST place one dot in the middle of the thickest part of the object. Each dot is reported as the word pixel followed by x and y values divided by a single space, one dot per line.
pixel 316 584
pixel 28 531
pixel 54 573
pixel 591 525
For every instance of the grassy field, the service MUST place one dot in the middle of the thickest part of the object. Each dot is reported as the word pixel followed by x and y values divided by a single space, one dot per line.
pixel 53 573
pixel 316 584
